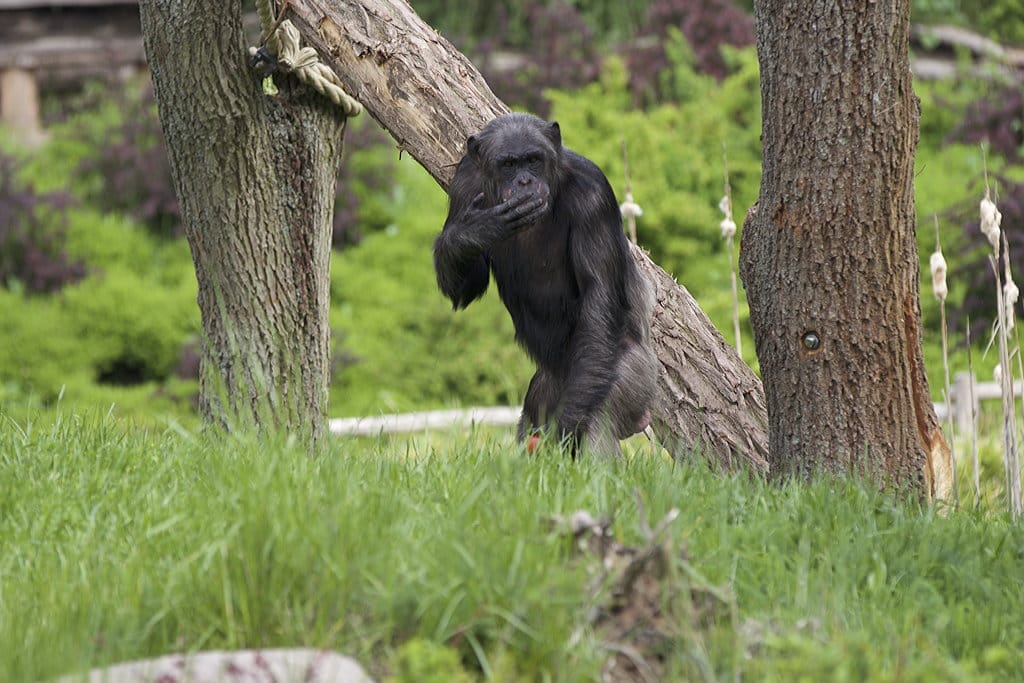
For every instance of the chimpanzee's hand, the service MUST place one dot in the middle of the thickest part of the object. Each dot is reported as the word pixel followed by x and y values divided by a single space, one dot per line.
pixel 514 214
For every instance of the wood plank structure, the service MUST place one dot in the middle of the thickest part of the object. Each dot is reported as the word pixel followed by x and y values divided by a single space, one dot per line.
pixel 54 44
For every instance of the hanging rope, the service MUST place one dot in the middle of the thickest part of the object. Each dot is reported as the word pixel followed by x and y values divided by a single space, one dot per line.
pixel 284 43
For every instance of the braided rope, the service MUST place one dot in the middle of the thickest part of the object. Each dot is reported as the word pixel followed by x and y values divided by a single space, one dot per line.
pixel 286 44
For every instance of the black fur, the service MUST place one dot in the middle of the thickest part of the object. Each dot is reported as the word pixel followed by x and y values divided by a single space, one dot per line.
pixel 545 221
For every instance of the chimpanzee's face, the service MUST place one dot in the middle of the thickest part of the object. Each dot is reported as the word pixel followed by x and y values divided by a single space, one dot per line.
pixel 520 173
pixel 518 158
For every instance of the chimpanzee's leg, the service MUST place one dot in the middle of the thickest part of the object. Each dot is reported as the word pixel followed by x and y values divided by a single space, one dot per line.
pixel 541 404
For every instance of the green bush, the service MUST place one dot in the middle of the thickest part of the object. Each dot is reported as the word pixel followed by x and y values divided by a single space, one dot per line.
pixel 104 240
pixel 55 165
pixel 137 327
pixel 123 325
pixel 39 352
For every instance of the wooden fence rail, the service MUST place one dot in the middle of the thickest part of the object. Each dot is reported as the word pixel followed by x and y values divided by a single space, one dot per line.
pixel 419 422
pixel 964 413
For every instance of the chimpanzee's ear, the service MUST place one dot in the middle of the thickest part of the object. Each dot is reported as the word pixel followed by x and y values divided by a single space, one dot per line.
pixel 473 147
pixel 554 133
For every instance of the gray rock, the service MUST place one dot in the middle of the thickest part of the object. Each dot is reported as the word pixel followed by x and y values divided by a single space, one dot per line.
pixel 242 666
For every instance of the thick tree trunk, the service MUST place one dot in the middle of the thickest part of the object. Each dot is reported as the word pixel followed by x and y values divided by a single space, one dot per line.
pixel 255 177
pixel 431 98
pixel 829 257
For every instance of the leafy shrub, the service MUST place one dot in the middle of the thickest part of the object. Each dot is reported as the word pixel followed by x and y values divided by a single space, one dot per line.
pixel 362 202
pixel 131 164
pixel 138 327
pixel 996 119
pixel 39 352
pixel 31 235
pixel 706 24
pixel 562 54
pixel 999 19
pixel 105 240
pixel 466 21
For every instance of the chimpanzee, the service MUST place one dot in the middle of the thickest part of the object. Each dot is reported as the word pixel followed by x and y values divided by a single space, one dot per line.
pixel 545 221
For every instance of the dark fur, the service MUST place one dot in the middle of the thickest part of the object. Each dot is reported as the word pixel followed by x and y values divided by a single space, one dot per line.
pixel 545 221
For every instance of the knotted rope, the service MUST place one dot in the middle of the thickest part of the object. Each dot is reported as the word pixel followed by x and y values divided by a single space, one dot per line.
pixel 285 43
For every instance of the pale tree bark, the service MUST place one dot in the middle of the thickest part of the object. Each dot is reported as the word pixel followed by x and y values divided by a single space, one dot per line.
pixel 829 258
pixel 255 178
pixel 431 98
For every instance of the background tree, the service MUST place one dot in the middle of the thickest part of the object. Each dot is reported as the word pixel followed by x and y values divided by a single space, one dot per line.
pixel 255 178
pixel 829 257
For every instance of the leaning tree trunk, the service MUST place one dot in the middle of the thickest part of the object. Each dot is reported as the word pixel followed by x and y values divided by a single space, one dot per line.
pixel 829 258
pixel 431 98
pixel 255 177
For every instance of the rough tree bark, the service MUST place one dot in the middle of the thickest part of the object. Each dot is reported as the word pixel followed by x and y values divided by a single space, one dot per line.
pixel 255 177
pixel 829 257
pixel 431 98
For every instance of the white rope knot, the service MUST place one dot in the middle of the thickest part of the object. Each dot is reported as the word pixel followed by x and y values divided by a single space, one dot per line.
pixel 304 62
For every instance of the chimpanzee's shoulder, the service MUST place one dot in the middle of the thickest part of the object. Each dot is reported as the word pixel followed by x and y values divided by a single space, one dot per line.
pixel 584 183
pixel 580 166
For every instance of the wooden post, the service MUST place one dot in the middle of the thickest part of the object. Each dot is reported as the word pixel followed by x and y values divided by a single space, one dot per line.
pixel 19 104
pixel 963 407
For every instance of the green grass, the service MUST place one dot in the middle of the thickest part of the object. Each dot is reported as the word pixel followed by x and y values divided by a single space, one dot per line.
pixel 433 557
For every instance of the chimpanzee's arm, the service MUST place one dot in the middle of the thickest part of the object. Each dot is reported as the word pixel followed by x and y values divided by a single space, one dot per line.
pixel 459 256
pixel 472 228
pixel 597 254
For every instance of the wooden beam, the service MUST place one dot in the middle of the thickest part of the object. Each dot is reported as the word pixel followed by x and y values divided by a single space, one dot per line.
pixel 74 53
pixel 501 416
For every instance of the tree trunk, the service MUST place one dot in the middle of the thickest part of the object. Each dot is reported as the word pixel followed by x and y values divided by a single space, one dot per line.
pixel 255 177
pixel 829 258
pixel 431 98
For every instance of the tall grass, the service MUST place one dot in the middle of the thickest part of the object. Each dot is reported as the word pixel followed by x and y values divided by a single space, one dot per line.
pixel 118 544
